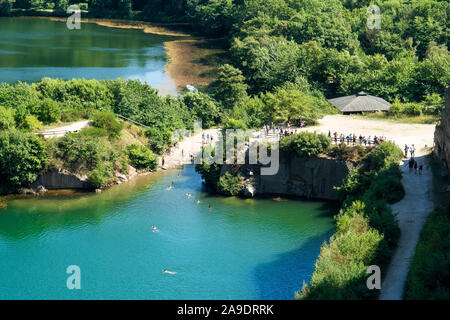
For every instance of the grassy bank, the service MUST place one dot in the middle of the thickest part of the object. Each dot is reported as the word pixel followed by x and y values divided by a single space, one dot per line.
pixel 420 119
pixel 429 274
pixel 366 231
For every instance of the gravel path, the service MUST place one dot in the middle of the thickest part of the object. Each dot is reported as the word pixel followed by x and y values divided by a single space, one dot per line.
pixel 62 131
pixel 412 212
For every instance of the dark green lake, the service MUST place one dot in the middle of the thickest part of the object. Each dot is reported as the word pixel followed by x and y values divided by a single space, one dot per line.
pixel 33 48
pixel 241 249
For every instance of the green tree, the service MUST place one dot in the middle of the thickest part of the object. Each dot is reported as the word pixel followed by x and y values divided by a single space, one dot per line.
pixel 230 185
pixel 49 111
pixel 108 121
pixel 305 144
pixel 203 107
pixel 22 157
pixel 61 6
pixel 5 7
pixel 142 157
pixel 229 87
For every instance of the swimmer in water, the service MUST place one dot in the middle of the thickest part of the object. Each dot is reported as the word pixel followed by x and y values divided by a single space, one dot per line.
pixel 188 195
pixel 169 272
pixel 209 207
pixel 155 229
pixel 198 201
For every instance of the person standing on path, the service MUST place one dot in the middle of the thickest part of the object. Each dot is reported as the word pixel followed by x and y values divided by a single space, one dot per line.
pixel 411 164
pixel 412 150
pixel 406 151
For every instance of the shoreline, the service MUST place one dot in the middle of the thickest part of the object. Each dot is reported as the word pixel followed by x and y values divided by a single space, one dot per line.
pixel 190 60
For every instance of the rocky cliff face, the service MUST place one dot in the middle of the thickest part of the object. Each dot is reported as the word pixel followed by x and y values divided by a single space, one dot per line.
pixel 313 178
pixel 55 178
pixel 442 134
pixel 61 179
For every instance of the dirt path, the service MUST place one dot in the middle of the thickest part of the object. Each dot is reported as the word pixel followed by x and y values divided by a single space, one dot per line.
pixel 63 130
pixel 412 212
pixel 190 145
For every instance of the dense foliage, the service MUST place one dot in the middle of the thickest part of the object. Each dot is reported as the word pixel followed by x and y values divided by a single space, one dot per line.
pixel 330 44
pixel 22 156
pixel 305 144
pixel 99 151
pixel 366 231
pixel 230 185
pixel 142 157
pixel 429 274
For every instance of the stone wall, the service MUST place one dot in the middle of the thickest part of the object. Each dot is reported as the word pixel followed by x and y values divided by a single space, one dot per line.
pixel 442 134
pixel 314 178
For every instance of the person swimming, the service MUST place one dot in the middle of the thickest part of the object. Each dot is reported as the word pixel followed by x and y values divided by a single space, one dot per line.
pixel 155 229
pixel 188 195
pixel 198 201
pixel 209 207
pixel 169 272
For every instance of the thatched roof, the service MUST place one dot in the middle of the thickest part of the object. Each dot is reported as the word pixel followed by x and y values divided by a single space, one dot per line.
pixel 360 102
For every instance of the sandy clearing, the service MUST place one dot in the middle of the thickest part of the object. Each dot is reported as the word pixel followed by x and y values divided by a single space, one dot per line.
pixel 421 135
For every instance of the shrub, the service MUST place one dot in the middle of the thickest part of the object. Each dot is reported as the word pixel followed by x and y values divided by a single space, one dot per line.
pixel 235 124
pixel 99 177
pixel 108 121
pixel 31 123
pixel 230 185
pixel 305 144
pixel 6 118
pixel 159 140
pixel 22 157
pixel 366 231
pixel 385 153
pixel 5 7
pixel 142 157
pixel 49 111
pixel 395 109
pixel 82 152
pixel 412 109
pixel 340 271
pixel 343 151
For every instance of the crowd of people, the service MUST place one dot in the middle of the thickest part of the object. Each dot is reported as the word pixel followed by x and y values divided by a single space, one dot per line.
pixel 353 139
pixel 281 131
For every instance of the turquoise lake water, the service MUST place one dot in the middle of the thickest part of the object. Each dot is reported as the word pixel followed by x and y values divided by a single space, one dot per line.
pixel 241 249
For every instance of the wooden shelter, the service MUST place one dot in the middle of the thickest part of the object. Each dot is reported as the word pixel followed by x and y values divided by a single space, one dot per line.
pixel 360 102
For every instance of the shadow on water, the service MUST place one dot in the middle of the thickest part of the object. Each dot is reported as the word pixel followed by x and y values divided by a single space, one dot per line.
pixel 290 268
